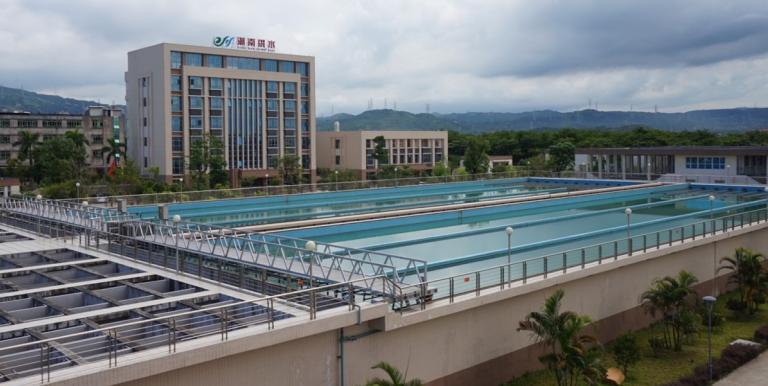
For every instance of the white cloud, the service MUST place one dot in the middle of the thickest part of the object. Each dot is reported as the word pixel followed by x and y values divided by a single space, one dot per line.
pixel 494 55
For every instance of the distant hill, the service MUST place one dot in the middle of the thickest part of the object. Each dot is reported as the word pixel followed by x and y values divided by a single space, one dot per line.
pixel 714 120
pixel 14 99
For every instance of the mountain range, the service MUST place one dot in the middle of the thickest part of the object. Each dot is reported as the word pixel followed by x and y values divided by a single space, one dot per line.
pixel 736 119
pixel 15 99
pixel 715 120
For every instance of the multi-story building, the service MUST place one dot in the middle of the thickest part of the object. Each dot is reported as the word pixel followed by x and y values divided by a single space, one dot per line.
pixel 97 123
pixel 354 150
pixel 260 105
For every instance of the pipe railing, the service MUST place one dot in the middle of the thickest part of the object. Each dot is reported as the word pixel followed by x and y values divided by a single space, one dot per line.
pixel 521 272
pixel 115 345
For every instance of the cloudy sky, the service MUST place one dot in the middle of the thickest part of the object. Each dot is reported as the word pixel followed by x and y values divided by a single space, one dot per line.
pixel 456 56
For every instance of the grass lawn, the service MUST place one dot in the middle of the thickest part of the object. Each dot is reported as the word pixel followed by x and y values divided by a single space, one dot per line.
pixel 669 366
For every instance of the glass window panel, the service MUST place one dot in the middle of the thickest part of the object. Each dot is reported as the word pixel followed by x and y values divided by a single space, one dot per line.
pixel 213 60
pixel 289 88
pixel 217 122
pixel 175 59
pixel 302 68
pixel 290 123
pixel 175 83
pixel 271 104
pixel 271 86
pixel 286 66
pixel 176 104
pixel 290 105
pixel 272 123
pixel 305 89
pixel 270 65
pixel 195 122
pixel 176 123
pixel 193 59
pixel 195 102
pixel 217 103
pixel 195 82
pixel 216 83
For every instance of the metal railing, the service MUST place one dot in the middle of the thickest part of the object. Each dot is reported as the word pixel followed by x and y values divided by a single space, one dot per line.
pixel 521 272
pixel 115 345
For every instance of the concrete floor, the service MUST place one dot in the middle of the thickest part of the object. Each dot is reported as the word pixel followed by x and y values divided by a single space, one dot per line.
pixel 753 373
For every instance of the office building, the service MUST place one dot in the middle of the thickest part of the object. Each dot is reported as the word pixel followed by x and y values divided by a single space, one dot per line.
pixel 259 104
pixel 353 150
pixel 97 123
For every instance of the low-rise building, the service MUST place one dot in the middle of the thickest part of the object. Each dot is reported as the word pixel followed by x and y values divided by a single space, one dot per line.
pixel 97 123
pixel 708 164
pixel 354 150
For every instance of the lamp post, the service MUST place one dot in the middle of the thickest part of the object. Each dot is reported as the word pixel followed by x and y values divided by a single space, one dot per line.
pixel 710 303
pixel 628 212
pixel 77 185
pixel 176 219
pixel 727 172
pixel 509 232
pixel 648 171
pixel 336 179
pixel 311 246
pixel 395 175
pixel 266 184
pixel 711 199
pixel 181 189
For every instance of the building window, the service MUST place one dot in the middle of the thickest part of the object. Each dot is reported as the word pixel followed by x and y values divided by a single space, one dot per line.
pixel 145 141
pixel 175 83
pixel 48 123
pixel 286 66
pixel 97 140
pixel 216 84
pixel 338 160
pixel 217 123
pixel 178 165
pixel 213 61
pixel 272 142
pixel 217 103
pixel 305 107
pixel 177 144
pixel 176 123
pixel 193 60
pixel 5 123
pixel 270 65
pixel 26 123
pixel 305 89
pixel 289 88
pixel 5 155
pixel 242 63
pixel 195 102
pixel 705 162
pixel 337 144
pixel 271 104
pixel 272 87
pixel 195 122
pixel 175 103
pixel 305 125
pixel 72 124
pixel 175 59
pixel 290 123
pixel 5 139
pixel 273 123
pixel 195 83
pixel 302 68
pixel 146 163
pixel 289 105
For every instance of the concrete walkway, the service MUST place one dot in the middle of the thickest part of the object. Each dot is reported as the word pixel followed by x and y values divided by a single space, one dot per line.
pixel 755 372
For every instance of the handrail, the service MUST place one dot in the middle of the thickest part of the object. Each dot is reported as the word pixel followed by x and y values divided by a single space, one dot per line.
pixel 560 260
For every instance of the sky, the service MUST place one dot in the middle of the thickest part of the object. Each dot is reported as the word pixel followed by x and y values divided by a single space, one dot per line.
pixel 453 56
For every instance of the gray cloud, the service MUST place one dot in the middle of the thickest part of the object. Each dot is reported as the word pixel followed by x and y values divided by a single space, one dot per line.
pixel 495 55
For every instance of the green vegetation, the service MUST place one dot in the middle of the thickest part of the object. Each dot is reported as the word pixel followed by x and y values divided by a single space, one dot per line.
pixel 626 351
pixel 206 163
pixel 673 299
pixel 476 156
pixel 749 277
pixel 396 378
pixel 572 355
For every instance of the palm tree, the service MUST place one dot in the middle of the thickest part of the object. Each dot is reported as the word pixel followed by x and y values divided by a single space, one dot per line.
pixel 395 377
pixel 672 297
pixel 27 143
pixel 77 138
pixel 571 355
pixel 749 276
pixel 115 150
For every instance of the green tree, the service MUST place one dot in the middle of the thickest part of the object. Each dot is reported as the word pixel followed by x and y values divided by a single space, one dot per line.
pixel 674 299
pixel 289 168
pixel 561 156
pixel 626 351
pixel 81 146
pixel 395 377
pixel 27 144
pixel 380 152
pixel 440 170
pixel 115 150
pixel 571 356
pixel 206 162
pixel 59 159
pixel 476 156
pixel 749 277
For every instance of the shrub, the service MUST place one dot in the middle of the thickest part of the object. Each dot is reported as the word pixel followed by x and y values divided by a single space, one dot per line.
pixel 626 351
pixel 657 345
pixel 761 334
pixel 740 353
pixel 736 305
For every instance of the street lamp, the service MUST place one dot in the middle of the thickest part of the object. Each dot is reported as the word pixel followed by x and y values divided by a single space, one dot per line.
pixel 181 189
pixel 77 185
pixel 709 301
pixel 395 175
pixel 628 212
pixel 176 219
pixel 266 183
pixel 509 231
pixel 336 178
pixel 711 199
pixel 39 197
pixel 648 171
pixel 311 246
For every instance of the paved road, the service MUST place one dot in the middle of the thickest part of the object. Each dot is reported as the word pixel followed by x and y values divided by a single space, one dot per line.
pixel 753 373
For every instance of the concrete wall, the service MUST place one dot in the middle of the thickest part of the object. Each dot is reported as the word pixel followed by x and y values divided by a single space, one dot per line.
pixel 472 341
